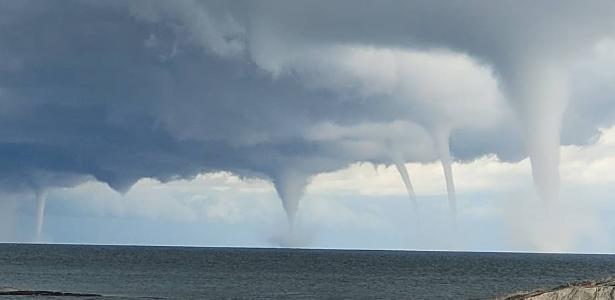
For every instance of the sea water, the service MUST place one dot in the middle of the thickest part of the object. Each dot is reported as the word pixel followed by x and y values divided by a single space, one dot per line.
pixel 131 272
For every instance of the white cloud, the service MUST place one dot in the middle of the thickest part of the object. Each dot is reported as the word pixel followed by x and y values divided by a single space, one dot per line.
pixel 590 165
pixel 217 197
pixel 484 174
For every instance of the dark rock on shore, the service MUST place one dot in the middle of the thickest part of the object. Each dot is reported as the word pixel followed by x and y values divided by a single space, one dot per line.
pixel 16 292
pixel 584 290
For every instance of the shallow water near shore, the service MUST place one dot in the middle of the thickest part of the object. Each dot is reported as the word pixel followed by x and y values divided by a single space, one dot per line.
pixel 128 272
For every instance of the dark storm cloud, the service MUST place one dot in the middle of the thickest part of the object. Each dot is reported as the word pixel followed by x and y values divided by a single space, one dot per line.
pixel 166 89
pixel 86 95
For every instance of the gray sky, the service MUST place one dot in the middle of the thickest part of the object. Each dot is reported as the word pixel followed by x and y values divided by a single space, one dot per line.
pixel 183 122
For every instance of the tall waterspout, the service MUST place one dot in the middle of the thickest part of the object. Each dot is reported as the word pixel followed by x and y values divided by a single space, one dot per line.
pixel 441 139
pixel 41 200
pixel 403 172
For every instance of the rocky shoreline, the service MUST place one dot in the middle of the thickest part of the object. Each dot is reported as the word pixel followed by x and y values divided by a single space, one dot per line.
pixel 583 290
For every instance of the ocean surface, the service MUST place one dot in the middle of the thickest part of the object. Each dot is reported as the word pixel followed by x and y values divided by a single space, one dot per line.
pixel 125 272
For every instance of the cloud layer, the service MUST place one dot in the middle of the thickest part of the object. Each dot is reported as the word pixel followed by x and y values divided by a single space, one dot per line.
pixel 283 91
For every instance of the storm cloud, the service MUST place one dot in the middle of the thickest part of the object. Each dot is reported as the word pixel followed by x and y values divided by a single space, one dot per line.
pixel 284 90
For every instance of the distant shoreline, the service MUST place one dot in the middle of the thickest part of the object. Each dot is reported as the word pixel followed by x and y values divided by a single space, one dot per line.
pixel 302 248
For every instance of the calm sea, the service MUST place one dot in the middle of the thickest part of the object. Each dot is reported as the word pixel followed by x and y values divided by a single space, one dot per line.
pixel 122 272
